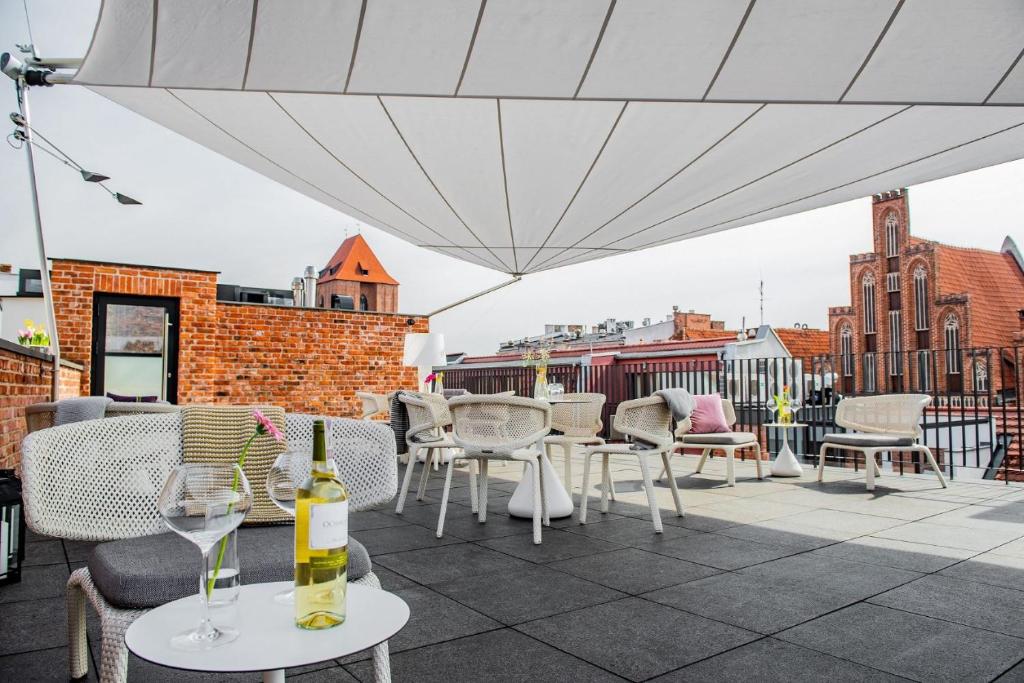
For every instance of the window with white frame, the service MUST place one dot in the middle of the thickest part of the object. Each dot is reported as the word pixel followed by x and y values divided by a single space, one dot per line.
pixel 892 235
pixel 980 375
pixel 924 370
pixel 892 282
pixel 895 345
pixel 870 368
pixel 868 287
pixel 920 298
pixel 952 334
pixel 846 349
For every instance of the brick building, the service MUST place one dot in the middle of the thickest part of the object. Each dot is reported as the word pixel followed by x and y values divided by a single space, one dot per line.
pixel 927 316
pixel 354 271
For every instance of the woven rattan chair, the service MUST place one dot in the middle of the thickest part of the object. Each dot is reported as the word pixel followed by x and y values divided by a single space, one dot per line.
pixel 579 424
pixel 375 404
pixel 99 480
pixel 890 422
pixel 500 428
pixel 649 423
pixel 729 442
pixel 428 418
pixel 41 415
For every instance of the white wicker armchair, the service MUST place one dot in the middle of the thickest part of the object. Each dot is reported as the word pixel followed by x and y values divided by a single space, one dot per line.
pixel 728 442
pixel 890 422
pixel 649 422
pixel 500 427
pixel 99 480
pixel 579 421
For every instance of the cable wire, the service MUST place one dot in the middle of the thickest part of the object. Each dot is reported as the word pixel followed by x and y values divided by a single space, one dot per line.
pixel 28 22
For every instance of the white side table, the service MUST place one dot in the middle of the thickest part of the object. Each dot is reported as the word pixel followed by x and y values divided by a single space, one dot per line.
pixel 269 640
pixel 786 464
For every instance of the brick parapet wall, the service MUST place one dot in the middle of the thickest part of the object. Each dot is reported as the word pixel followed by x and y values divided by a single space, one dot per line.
pixel 26 377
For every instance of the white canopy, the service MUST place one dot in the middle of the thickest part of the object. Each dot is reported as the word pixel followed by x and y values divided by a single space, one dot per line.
pixel 523 135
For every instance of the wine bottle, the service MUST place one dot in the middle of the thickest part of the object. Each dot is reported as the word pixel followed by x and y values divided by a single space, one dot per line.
pixel 321 543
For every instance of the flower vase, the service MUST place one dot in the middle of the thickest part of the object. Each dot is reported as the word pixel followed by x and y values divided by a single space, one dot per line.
pixel 229 581
pixel 438 386
pixel 540 384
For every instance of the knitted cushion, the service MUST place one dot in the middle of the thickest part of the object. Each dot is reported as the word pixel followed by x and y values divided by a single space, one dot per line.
pixel 138 573
pixel 218 433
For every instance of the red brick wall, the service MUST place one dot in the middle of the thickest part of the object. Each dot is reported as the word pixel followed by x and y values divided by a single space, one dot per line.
pixel 299 358
pixel 25 378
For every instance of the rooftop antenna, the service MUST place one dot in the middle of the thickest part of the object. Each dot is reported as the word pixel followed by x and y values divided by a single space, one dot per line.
pixel 761 290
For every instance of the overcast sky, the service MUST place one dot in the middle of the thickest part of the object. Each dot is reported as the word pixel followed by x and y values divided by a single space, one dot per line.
pixel 204 211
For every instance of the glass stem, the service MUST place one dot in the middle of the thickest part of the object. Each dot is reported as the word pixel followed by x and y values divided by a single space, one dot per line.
pixel 205 630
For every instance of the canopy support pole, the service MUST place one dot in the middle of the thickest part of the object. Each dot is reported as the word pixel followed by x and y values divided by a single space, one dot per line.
pixel 495 288
pixel 44 266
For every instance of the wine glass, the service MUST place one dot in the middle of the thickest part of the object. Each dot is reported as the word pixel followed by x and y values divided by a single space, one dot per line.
pixel 204 502
pixel 287 473
pixel 555 390
pixel 771 406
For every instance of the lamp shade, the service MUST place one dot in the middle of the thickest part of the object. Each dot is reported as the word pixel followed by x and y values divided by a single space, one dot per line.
pixel 424 349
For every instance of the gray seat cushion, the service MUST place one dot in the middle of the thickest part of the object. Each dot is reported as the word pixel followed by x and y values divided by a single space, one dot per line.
pixel 137 573
pixel 720 438
pixel 867 440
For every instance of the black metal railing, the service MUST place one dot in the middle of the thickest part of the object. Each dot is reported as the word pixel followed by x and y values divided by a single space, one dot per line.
pixel 974 424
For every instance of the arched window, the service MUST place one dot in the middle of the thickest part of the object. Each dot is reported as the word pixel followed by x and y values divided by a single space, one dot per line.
pixel 920 298
pixel 980 375
pixel 868 287
pixel 846 349
pixel 952 334
pixel 892 235
pixel 364 304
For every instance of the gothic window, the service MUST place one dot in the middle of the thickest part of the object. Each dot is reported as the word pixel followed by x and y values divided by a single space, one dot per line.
pixel 892 282
pixel 924 370
pixel 868 287
pixel 920 298
pixel 895 345
pixel 892 235
pixel 846 349
pixel 980 376
pixel 869 372
pixel 952 333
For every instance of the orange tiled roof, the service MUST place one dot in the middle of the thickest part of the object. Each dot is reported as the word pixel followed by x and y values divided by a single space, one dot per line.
pixel 710 334
pixel 995 285
pixel 355 261
pixel 803 343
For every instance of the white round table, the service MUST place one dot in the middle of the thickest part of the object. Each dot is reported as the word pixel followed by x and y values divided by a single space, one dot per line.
pixel 786 464
pixel 269 640
pixel 558 502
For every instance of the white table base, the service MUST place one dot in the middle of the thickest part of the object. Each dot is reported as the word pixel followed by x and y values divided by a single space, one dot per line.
pixel 786 464
pixel 558 501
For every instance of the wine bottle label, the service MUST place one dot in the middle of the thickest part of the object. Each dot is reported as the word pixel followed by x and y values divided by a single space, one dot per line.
pixel 328 525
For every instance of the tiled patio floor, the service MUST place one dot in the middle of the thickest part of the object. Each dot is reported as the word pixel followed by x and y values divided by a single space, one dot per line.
pixel 771 580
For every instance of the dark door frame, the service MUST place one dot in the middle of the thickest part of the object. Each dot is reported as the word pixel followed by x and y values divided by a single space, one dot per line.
pixel 99 329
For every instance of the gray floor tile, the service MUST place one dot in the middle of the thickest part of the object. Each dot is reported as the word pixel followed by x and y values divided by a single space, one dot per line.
pixel 822 574
pixel 42 665
pixel 79 551
pixel 962 602
pixel 1014 675
pixel 723 552
pixel 435 565
pixel 633 570
pixel 693 519
pixel 979 540
pixel 47 581
pixel 630 531
pixel 462 523
pixel 767 535
pixel 889 552
pixel 371 519
pixel 396 539
pixel 334 674
pixel 557 545
pixel 44 552
pixel 774 660
pixel 496 656
pixel 530 593
pixel 33 625
pixel 749 602
pixel 934 650
pixel 433 618
pixel 635 638
pixel 995 570
pixel 389 580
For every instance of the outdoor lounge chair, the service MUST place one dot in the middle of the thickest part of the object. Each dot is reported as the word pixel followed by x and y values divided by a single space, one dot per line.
pixel 890 422
pixel 375 404
pixel 730 442
pixel 649 422
pixel 41 415
pixel 99 480
pixel 579 421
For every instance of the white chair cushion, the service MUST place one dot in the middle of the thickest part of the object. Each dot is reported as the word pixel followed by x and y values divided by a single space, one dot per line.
pixel 719 439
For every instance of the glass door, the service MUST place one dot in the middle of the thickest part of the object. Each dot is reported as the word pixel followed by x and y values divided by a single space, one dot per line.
pixel 135 348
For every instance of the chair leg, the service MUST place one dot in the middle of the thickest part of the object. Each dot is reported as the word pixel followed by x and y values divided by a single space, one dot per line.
pixel 425 472
pixel 821 462
pixel 649 487
pixel 413 457
pixel 538 497
pixel 878 470
pixel 730 466
pixel 757 461
pixel 666 461
pixel 611 486
pixel 606 479
pixel 703 459
pixel 545 517
pixel 472 486
pixel 935 466
pixel 482 513
pixel 585 487
pixel 113 651
pixel 869 468
pixel 444 497
pixel 567 467
pixel 381 660
pixel 78 647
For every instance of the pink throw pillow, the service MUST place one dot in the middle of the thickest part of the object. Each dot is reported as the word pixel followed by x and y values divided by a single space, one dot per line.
pixel 707 416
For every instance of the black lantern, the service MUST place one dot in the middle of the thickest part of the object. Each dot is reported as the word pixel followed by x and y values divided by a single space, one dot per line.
pixel 12 528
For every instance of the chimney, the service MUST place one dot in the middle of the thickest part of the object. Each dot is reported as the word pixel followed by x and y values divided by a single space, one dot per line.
pixel 309 287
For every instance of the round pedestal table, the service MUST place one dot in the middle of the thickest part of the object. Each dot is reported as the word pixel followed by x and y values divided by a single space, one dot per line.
pixel 558 502
pixel 786 464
